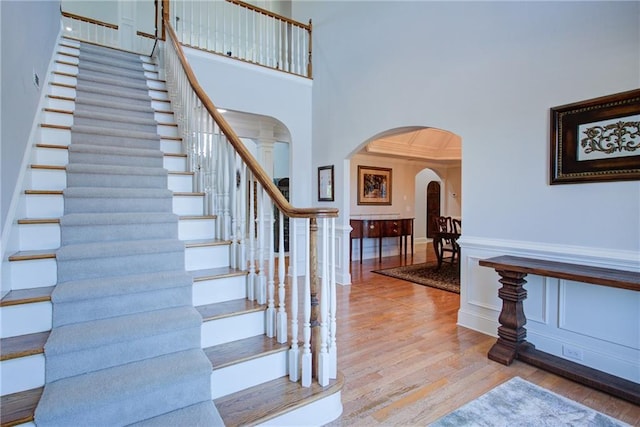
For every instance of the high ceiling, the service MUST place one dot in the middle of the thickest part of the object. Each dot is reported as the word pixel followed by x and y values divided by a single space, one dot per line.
pixel 418 144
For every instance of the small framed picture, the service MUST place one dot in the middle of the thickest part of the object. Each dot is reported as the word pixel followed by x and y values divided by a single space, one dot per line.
pixel 596 140
pixel 325 184
pixel 374 185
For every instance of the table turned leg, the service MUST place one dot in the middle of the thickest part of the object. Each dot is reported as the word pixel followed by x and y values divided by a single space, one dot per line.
pixel 511 332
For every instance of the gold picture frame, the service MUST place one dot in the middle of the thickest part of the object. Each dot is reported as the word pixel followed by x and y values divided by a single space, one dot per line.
pixel 374 185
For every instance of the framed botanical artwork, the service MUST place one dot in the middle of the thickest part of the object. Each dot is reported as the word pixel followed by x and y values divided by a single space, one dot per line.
pixel 596 140
pixel 325 184
pixel 374 185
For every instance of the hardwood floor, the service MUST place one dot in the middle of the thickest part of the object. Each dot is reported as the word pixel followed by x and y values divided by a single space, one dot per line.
pixel 406 362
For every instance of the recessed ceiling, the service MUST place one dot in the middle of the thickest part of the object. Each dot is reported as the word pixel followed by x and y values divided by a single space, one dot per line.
pixel 423 144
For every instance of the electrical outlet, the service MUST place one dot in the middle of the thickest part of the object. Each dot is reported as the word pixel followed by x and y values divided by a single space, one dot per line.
pixel 572 352
pixel 36 79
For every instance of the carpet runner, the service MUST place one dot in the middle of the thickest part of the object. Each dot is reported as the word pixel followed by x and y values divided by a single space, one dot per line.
pixel 124 348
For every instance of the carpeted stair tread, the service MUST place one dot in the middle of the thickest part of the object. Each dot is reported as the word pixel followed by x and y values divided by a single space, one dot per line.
pixel 96 333
pixel 115 193
pixel 114 132
pixel 201 414
pixel 134 64
pixel 119 226
pixel 93 77
pixel 118 249
pixel 115 169
pixel 114 94
pixel 115 118
pixel 121 80
pixel 98 85
pixel 103 51
pixel 122 395
pixel 110 286
pixel 109 70
pixel 85 103
pixel 114 155
pixel 117 218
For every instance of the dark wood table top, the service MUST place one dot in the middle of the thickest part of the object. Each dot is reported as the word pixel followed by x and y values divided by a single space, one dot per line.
pixel 614 278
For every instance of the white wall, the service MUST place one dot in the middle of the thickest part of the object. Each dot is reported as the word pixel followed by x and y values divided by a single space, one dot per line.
pixel 489 72
pixel 238 86
pixel 29 31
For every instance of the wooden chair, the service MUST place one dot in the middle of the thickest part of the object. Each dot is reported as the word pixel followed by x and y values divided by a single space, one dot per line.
pixel 444 242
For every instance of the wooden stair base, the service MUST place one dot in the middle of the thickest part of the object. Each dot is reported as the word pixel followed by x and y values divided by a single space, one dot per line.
pixel 264 402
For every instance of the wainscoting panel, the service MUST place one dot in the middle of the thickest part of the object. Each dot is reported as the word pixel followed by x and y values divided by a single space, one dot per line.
pixel 593 325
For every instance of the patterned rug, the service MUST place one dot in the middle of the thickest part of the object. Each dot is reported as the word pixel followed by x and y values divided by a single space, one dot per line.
pixel 520 403
pixel 447 277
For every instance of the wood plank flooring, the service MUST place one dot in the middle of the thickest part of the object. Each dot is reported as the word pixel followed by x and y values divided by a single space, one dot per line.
pixel 407 363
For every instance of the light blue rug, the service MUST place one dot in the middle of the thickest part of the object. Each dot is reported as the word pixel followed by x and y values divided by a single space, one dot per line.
pixel 520 403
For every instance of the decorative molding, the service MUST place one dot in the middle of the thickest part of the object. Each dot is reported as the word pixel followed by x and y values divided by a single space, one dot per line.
pixel 607 258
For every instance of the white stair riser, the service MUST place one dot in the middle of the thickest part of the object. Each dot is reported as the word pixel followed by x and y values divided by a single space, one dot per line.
pixel 65 68
pixel 61 104
pixel 161 105
pixel 188 205
pixel 150 67
pixel 23 373
pixel 156 84
pixel 51 156
pixel 65 79
pixel 44 206
pixel 164 117
pixel 62 91
pixel 56 118
pixel 34 237
pixel 227 329
pixel 171 146
pixel 158 94
pixel 167 130
pixel 219 290
pixel 48 179
pixel 68 49
pixel 192 229
pixel 237 377
pixel 55 136
pixel 177 164
pixel 203 257
pixel 25 319
pixel 34 273
pixel 180 183
pixel 151 74
pixel 72 58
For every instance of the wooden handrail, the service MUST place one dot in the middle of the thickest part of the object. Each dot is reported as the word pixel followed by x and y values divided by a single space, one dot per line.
pixel 247 157
pixel 269 13
pixel 89 20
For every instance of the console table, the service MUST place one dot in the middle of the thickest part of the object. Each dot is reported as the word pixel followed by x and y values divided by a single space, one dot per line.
pixel 379 228
pixel 512 343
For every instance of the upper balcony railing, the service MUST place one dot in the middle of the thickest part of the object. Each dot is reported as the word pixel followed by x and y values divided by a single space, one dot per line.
pixel 243 31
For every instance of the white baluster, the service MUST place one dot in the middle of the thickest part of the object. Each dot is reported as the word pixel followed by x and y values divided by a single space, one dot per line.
pixel 271 289
pixel 261 284
pixel 294 351
pixel 323 358
pixel 251 277
pixel 242 222
pixel 306 326
pixel 281 320
pixel 333 348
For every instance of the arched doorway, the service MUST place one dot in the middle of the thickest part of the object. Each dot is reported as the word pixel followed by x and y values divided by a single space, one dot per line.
pixel 433 206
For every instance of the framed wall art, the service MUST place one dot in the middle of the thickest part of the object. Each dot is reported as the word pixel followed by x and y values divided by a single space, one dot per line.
pixel 596 140
pixel 325 184
pixel 374 185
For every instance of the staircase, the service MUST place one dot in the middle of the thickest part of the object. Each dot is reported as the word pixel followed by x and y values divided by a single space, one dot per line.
pixel 104 215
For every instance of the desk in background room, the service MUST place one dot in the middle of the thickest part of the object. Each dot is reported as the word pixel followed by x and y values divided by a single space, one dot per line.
pixel 380 228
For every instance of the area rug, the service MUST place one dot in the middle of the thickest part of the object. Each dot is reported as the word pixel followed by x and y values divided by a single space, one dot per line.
pixel 520 403
pixel 447 277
